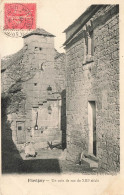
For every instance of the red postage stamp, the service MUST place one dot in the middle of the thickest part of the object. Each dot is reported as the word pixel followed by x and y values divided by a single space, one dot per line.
pixel 19 16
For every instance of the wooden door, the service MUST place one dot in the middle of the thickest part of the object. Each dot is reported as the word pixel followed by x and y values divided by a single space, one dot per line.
pixel 20 125
pixel 92 127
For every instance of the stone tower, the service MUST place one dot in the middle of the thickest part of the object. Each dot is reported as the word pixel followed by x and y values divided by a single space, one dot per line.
pixel 34 73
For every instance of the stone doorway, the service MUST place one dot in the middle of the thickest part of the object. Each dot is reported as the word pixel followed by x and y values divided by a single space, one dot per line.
pixel 92 127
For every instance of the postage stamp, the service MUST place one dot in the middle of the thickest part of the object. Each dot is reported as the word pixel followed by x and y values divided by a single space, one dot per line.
pixel 19 16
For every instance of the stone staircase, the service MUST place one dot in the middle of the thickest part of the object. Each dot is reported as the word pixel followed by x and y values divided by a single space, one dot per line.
pixel 50 135
pixel 90 160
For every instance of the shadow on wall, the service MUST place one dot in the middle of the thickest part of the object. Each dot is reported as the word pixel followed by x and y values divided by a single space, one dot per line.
pixel 63 118
pixel 11 159
pixel 10 153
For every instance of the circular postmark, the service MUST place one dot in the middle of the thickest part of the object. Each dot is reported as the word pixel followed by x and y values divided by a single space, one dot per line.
pixel 19 19
pixel 17 16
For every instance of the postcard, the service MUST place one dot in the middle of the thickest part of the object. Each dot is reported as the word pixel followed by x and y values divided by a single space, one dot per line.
pixel 61 97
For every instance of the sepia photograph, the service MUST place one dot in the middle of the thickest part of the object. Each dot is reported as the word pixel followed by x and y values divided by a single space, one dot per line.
pixel 60 88
pixel 60 111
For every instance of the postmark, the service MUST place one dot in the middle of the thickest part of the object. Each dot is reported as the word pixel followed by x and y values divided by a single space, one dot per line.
pixel 18 19
pixel 19 16
pixel 16 33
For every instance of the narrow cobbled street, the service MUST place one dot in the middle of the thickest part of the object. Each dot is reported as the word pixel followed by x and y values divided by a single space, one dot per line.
pixel 46 161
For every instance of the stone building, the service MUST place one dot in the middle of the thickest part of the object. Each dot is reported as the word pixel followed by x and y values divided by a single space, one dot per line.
pixel 92 91
pixel 33 81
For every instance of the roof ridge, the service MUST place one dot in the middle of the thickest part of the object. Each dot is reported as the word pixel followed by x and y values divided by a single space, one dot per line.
pixel 39 31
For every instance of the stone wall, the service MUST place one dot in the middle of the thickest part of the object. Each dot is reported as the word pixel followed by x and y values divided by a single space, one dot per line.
pixel 26 77
pixel 60 66
pixel 95 80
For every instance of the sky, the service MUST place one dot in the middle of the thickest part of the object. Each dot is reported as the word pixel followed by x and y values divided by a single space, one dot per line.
pixel 52 15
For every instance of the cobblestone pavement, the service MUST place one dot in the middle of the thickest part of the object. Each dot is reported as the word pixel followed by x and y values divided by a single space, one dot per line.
pixel 46 161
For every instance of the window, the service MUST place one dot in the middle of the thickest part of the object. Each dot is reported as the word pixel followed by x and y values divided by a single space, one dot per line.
pixel 49 90
pixel 88 47
pixel 35 84
pixel 19 127
pixel 49 109
pixel 41 66
pixel 38 48
pixel 92 43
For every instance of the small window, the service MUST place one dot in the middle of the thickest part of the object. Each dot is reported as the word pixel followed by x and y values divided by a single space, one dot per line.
pixel 49 110
pixel 88 47
pixel 19 128
pixel 49 90
pixel 92 43
pixel 41 66
pixel 40 48
pixel 35 84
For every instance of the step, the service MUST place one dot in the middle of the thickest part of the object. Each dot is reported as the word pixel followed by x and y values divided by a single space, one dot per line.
pixel 52 132
pixel 40 145
pixel 89 162
pixel 91 157
pixel 47 132
pixel 47 138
